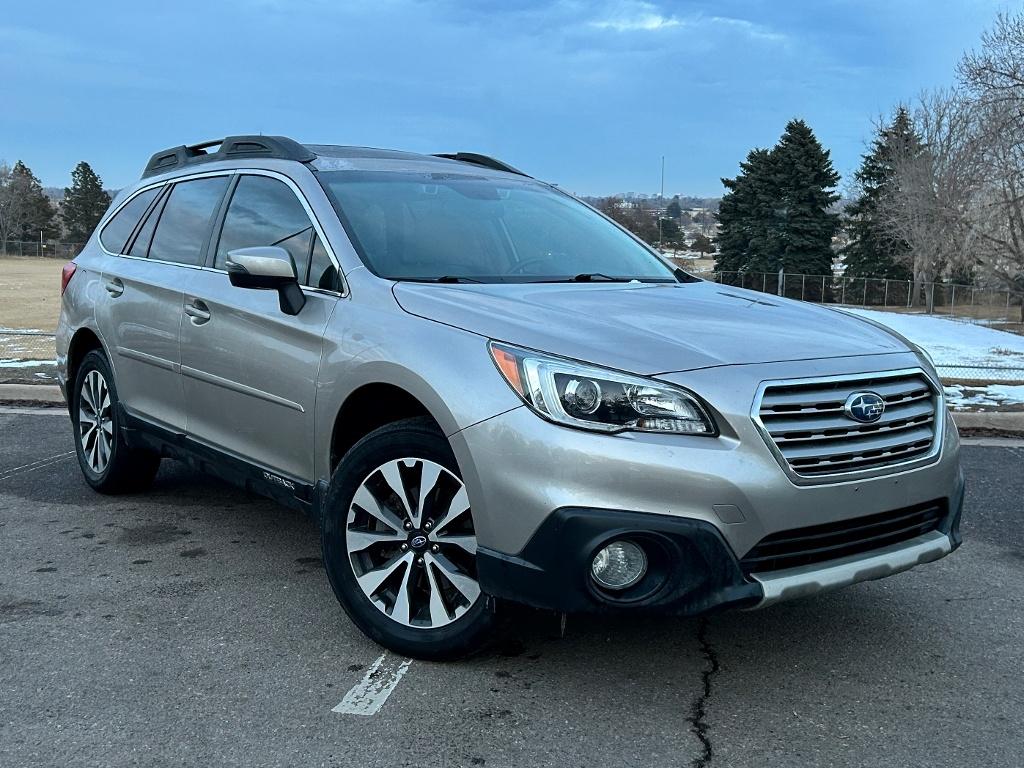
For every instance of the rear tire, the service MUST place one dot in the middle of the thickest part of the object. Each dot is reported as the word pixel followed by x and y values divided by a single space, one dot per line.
pixel 108 463
pixel 399 544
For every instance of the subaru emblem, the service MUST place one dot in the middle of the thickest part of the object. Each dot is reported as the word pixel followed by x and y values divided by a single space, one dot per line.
pixel 865 407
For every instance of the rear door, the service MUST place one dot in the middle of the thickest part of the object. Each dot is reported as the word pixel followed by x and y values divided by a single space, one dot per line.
pixel 249 371
pixel 149 244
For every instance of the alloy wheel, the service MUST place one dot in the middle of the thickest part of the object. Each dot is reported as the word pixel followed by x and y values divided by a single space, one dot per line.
pixel 411 543
pixel 95 421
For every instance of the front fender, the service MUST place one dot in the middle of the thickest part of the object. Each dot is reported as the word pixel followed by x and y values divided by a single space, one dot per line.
pixel 447 369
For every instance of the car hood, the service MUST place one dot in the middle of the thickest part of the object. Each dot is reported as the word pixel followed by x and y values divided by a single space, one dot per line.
pixel 649 328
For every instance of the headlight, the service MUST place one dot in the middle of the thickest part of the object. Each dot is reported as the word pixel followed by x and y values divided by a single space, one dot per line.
pixel 579 395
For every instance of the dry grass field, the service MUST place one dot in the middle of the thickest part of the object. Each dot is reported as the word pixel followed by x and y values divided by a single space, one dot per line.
pixel 30 293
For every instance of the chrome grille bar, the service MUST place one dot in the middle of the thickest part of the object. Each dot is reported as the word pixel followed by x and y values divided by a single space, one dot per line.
pixel 805 423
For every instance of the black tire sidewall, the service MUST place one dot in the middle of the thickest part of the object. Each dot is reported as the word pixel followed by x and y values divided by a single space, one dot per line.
pixel 96 361
pixel 412 438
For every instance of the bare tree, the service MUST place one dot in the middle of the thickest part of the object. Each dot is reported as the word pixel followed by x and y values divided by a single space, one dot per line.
pixel 958 196
pixel 996 72
pixel 12 205
pixel 934 185
pixel 994 78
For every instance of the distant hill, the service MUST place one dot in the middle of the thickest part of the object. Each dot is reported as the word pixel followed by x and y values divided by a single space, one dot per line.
pixel 56 194
pixel 686 202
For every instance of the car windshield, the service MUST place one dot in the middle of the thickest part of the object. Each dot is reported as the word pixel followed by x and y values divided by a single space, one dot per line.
pixel 452 227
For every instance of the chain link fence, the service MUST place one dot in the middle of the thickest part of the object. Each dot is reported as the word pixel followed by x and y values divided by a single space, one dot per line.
pixel 26 346
pixel 27 357
pixel 1000 309
pixel 980 374
pixel 47 249
pixel 984 305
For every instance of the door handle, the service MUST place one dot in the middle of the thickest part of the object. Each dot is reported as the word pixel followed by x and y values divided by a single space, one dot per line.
pixel 198 312
pixel 114 287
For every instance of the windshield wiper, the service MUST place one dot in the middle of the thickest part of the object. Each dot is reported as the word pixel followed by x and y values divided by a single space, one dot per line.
pixel 441 279
pixel 590 277
pixel 586 277
pixel 455 279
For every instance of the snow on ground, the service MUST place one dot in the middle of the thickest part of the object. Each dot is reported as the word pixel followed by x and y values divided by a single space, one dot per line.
pixel 960 397
pixel 963 350
pixel 15 363
pixel 953 343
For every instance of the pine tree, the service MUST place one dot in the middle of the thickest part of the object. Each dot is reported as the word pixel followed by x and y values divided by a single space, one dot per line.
pixel 872 252
pixel 744 216
pixel 36 215
pixel 85 202
pixel 703 244
pixel 775 214
pixel 806 184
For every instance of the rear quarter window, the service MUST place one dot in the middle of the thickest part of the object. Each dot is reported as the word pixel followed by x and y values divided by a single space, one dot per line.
pixel 115 234
pixel 185 223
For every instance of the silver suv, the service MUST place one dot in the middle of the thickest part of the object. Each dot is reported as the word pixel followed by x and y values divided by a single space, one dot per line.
pixel 484 390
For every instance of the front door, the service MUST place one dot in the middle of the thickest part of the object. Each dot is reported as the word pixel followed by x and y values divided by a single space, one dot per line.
pixel 249 371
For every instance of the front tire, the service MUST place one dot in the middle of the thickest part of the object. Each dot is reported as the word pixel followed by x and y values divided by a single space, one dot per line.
pixel 399 544
pixel 108 463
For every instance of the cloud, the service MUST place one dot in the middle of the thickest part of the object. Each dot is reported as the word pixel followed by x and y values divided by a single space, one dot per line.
pixel 749 28
pixel 645 20
pixel 641 16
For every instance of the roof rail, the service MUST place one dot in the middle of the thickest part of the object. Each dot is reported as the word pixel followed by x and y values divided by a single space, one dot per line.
pixel 484 161
pixel 231 147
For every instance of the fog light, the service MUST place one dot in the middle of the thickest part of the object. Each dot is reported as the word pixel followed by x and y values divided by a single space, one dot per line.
pixel 619 565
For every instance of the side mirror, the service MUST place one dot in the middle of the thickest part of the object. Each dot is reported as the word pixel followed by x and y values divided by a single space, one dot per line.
pixel 267 267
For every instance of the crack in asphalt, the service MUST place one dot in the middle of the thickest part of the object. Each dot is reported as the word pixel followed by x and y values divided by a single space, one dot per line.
pixel 698 720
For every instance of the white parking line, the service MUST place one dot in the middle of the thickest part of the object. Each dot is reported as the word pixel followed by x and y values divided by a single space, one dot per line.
pixel 369 694
pixel 38 464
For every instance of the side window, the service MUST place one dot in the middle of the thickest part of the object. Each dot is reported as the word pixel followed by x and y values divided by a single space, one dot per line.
pixel 117 231
pixel 322 272
pixel 265 211
pixel 140 247
pixel 185 222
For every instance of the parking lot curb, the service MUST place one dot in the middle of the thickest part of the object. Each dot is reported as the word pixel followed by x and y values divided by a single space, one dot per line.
pixel 31 394
pixel 994 423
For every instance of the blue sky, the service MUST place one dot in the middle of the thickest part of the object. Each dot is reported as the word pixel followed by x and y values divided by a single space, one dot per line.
pixel 585 94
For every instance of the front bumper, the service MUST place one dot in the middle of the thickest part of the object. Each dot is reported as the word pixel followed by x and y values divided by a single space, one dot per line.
pixel 692 569
pixel 694 572
pixel 812 579
pixel 522 473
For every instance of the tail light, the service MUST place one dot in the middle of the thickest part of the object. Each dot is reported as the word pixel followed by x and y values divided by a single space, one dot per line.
pixel 65 276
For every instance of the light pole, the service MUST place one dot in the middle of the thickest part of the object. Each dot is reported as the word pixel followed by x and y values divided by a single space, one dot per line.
pixel 661 201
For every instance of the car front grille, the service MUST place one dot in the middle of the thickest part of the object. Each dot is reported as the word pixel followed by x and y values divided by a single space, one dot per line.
pixel 819 543
pixel 806 422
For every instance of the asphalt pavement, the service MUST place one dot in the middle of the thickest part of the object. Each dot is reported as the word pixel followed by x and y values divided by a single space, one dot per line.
pixel 194 625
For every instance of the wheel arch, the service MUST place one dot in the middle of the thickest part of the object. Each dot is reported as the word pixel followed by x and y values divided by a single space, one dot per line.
pixel 372 405
pixel 84 340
